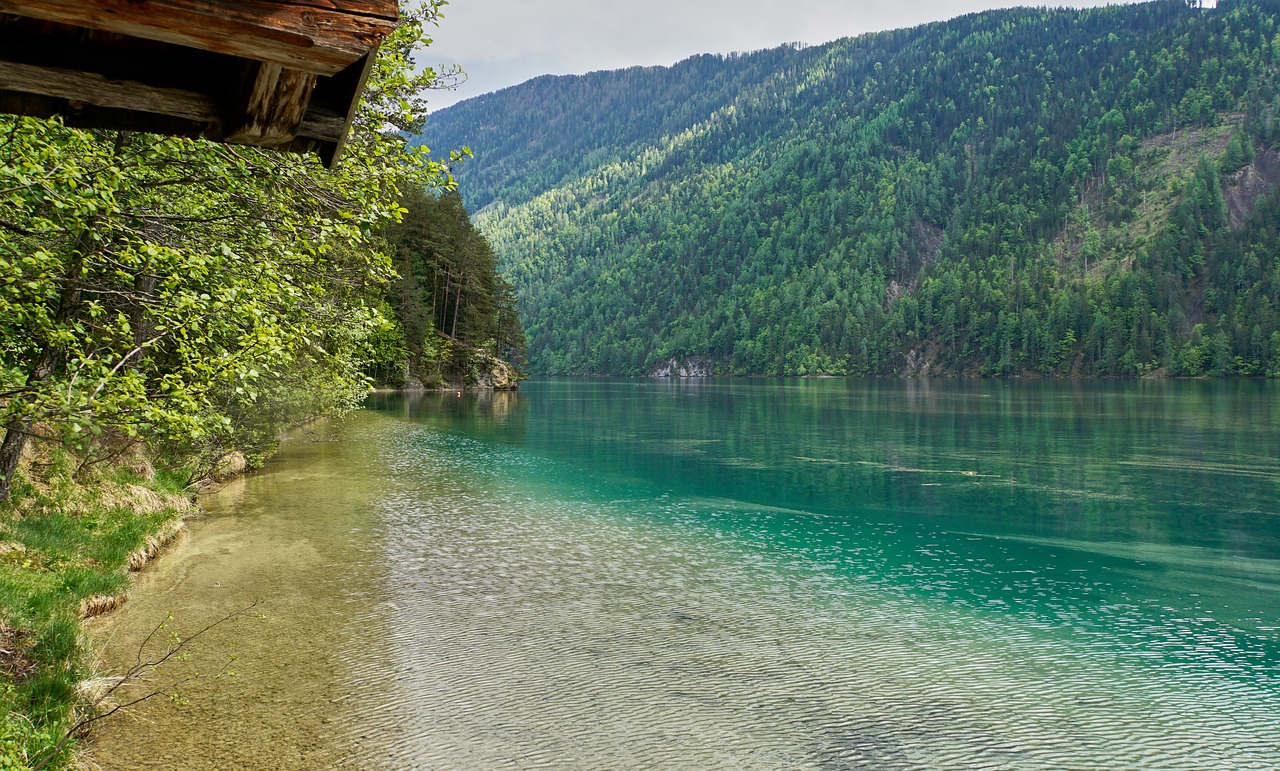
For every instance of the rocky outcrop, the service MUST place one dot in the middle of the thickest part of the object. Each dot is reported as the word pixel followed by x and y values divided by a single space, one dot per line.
pixel 682 368
pixel 494 374
pixel 465 369
pixel 920 360
pixel 1244 188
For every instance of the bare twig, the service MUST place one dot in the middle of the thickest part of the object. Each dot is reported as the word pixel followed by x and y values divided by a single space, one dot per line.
pixel 142 667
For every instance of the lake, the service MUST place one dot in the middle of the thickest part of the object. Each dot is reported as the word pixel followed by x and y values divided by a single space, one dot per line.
pixel 734 574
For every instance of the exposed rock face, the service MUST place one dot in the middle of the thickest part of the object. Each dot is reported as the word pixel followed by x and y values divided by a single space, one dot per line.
pixel 922 252
pixel 476 371
pixel 918 363
pixel 413 383
pixel 1247 186
pixel 495 375
pixel 456 366
pixel 686 368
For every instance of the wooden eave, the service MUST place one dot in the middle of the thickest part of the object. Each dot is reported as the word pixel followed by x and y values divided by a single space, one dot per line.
pixel 285 74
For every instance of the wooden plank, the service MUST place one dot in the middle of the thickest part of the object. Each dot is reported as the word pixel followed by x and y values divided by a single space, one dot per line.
pixel 88 88
pixel 387 9
pixel 274 108
pixel 90 116
pixel 355 78
pixel 326 128
pixel 317 36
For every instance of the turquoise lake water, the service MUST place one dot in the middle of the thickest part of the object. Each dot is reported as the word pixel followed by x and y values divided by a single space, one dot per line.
pixel 740 574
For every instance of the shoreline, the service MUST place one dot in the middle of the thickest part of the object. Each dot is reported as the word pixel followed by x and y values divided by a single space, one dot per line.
pixel 79 576
pixel 468 390
pixel 156 546
pixel 1024 377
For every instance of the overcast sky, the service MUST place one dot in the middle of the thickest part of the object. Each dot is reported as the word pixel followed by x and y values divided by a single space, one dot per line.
pixel 504 42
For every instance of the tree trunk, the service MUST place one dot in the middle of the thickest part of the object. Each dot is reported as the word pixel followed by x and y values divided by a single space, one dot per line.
pixel 444 305
pixel 139 319
pixel 453 328
pixel 15 441
pixel 435 287
pixel 19 430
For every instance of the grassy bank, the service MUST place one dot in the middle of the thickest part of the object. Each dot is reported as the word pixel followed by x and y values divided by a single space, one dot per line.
pixel 69 539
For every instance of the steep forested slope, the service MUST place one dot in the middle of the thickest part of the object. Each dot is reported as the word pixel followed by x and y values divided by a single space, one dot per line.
pixel 1018 191
pixel 452 318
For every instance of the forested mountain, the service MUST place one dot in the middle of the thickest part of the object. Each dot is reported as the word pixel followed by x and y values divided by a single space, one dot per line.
pixel 1012 192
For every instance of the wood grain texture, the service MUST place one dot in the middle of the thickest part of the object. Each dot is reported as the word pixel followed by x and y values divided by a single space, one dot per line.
pixel 317 36
pixel 357 75
pixel 89 88
pixel 327 128
pixel 80 98
pixel 274 108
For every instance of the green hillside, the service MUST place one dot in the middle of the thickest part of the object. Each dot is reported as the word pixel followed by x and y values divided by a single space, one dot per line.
pixel 1013 192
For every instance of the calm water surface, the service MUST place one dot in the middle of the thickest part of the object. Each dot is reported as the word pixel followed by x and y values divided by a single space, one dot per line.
pixel 736 574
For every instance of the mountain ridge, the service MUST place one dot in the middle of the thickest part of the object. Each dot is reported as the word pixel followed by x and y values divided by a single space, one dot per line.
pixel 1009 192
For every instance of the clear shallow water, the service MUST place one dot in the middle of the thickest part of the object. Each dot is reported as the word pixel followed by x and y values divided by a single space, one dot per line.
pixel 740 574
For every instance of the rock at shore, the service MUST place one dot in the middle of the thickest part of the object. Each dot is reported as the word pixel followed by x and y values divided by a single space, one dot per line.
pixel 686 368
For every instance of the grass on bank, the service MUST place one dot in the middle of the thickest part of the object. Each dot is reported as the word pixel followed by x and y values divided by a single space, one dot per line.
pixel 67 544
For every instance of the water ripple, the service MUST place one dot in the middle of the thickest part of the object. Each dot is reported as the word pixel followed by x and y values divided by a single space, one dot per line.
pixel 438 597
pixel 558 632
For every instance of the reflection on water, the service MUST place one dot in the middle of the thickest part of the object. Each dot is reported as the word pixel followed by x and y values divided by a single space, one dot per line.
pixel 789 574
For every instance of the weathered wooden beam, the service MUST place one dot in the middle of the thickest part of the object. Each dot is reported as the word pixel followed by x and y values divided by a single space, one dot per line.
pixel 88 116
pixel 324 127
pixel 89 88
pixel 273 110
pixel 354 78
pixel 80 89
pixel 317 36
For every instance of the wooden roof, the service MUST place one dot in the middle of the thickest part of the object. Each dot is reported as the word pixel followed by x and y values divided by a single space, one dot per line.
pixel 273 73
